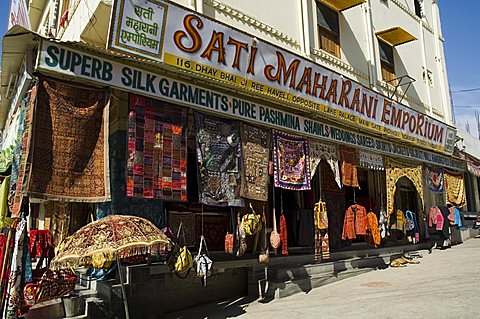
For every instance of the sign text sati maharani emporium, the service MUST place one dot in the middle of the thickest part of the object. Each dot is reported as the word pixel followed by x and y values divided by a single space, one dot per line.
pixel 60 59
pixel 203 46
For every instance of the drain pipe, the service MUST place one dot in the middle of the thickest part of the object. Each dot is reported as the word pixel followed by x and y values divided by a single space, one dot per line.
pixel 372 59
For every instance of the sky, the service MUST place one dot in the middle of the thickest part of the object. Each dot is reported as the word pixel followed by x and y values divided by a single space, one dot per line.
pixel 460 26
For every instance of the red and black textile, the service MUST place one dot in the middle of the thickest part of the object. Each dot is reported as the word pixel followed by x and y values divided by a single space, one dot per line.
pixel 157 150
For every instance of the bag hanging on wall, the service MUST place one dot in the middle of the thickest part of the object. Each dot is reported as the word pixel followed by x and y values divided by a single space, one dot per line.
pixel 251 222
pixel 321 216
pixel 229 237
pixel 180 261
pixel 274 236
pixel 203 262
pixel 242 243
pixel 410 222
pixel 264 256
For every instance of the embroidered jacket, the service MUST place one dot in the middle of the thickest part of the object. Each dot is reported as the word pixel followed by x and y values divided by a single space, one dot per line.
pixel 355 222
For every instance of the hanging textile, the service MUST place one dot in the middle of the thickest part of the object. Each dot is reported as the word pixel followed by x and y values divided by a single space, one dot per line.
pixel 473 167
pixel 328 152
pixel 70 139
pixel 349 167
pixel 3 250
pixel 283 235
pixel 291 161
pixel 39 241
pixel 188 221
pixel 20 155
pixel 6 262
pixel 4 220
pixel 219 161
pixel 157 150
pixel 14 292
pixel 60 222
pixel 255 155
pixel 434 179
pixel 383 223
pixel 371 160
pixel 373 233
pixel 398 221
pixel 394 171
pixel 455 187
pixel 9 143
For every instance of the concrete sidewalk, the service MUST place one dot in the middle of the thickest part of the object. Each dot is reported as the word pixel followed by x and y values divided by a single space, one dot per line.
pixel 446 284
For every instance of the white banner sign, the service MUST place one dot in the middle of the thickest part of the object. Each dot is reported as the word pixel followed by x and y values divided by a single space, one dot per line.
pixel 58 59
pixel 206 47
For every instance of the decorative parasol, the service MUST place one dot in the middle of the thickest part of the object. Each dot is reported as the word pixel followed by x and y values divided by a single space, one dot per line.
pixel 105 240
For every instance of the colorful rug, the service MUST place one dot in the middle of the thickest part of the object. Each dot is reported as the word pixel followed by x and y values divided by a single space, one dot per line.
pixel 219 161
pixel 394 171
pixel 157 150
pixel 70 139
pixel 434 179
pixel 328 152
pixel 349 167
pixel 292 167
pixel 255 154
pixel 455 188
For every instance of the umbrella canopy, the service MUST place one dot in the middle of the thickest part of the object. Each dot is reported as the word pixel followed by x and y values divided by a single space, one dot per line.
pixel 99 242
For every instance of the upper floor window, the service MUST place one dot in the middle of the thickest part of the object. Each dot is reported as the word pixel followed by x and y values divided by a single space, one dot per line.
pixel 328 30
pixel 418 8
pixel 387 62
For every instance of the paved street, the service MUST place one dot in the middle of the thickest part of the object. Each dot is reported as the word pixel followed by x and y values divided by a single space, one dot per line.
pixel 446 284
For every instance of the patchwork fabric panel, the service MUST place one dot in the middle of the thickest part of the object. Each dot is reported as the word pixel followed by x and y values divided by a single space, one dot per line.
pixel 157 150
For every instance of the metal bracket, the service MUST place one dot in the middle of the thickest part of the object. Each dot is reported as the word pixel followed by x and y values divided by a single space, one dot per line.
pixel 400 83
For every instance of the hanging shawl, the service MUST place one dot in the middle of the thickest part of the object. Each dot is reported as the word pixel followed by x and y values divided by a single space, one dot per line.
pixel 349 168
pixel 255 154
pixel 291 161
pixel 394 171
pixel 14 292
pixel 219 160
pixel 20 155
pixel 371 160
pixel 328 152
pixel 455 188
pixel 69 159
pixel 434 178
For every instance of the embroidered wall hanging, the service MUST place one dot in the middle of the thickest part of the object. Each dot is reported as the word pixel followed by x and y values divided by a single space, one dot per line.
pixel 219 160
pixel 434 179
pixel 349 167
pixel 371 160
pixel 455 188
pixel 157 150
pixel 291 161
pixel 70 143
pixel 394 171
pixel 255 154
pixel 328 152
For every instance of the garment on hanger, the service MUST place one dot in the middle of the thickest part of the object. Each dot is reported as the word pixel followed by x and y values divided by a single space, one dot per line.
pixel 398 221
pixel 383 223
pixel 283 235
pixel 349 167
pixel 373 233
pixel 322 243
pixel 434 179
pixel 355 222
pixel 457 218
pixel 435 217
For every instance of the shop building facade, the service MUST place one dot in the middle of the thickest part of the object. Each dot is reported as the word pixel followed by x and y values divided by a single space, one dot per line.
pixel 216 106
